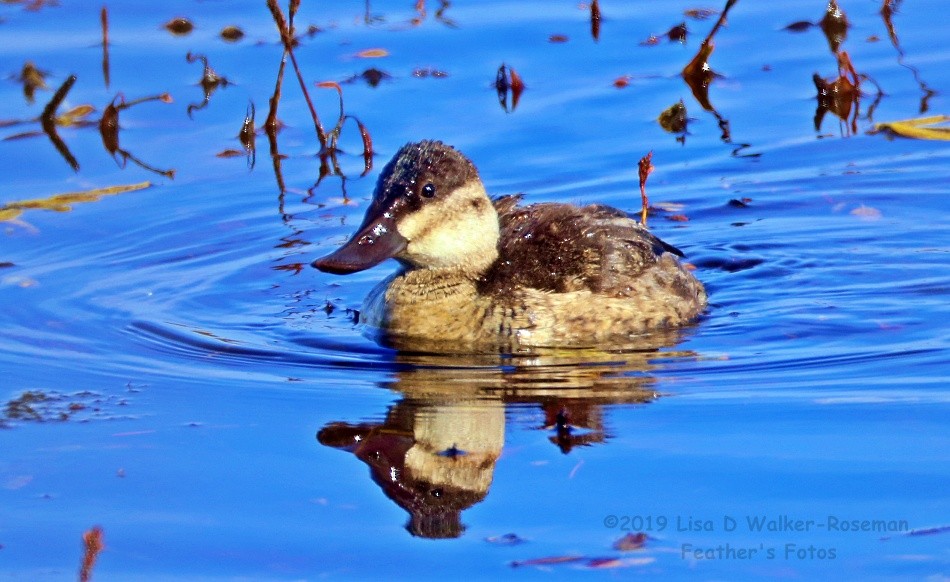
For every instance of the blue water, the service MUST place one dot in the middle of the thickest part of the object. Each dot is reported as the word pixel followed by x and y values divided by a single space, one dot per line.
pixel 183 322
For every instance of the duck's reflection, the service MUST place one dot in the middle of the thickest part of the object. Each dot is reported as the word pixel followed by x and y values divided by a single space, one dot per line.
pixel 433 456
pixel 435 452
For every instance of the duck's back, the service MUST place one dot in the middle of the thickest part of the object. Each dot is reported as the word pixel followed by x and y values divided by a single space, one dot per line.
pixel 563 248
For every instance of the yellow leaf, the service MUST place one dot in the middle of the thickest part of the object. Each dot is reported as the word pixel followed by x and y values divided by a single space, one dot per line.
pixel 63 202
pixel 920 128
pixel 75 115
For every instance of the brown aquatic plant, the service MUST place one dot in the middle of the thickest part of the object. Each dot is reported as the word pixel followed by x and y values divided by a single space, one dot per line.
pixel 93 545
pixel 644 169
pixel 272 125
pixel 78 116
pixel 372 76
pixel 888 9
pixel 32 79
pixel 48 121
pixel 334 136
pixel 698 74
pixel 834 24
pixel 109 131
pixel 595 20
pixel 286 29
pixel 104 22
pixel 508 82
pixel 247 135
pixel 673 119
pixel 677 33
pixel 420 8
pixel 367 147
pixel 210 81
pixel 841 95
pixel 247 132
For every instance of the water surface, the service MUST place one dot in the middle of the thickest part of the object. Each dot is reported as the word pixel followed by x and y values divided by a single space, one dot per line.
pixel 204 387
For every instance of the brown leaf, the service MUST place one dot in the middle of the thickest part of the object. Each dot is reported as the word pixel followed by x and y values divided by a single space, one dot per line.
pixel 700 13
pixel 232 33
pixel 373 53
pixel 32 79
pixel 674 118
pixel 800 26
pixel 595 20
pixel 631 541
pixel 517 85
pixel 179 26
pixel 678 33
pixel 230 153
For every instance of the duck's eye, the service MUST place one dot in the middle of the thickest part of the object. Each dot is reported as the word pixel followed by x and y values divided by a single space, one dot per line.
pixel 428 190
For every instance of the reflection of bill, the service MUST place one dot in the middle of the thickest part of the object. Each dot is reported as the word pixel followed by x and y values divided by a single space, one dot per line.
pixel 435 452
pixel 433 459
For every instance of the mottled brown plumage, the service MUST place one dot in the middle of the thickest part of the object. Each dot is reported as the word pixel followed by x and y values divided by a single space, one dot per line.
pixel 563 248
pixel 501 276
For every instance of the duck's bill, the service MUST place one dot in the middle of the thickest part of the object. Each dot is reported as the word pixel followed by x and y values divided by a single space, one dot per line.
pixel 369 247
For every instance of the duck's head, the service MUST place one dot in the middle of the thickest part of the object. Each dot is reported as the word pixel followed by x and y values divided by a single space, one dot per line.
pixel 430 210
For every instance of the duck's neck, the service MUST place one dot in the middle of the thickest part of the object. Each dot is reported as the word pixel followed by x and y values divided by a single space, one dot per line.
pixel 438 282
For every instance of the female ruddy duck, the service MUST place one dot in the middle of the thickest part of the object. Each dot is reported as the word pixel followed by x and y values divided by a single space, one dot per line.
pixel 482 272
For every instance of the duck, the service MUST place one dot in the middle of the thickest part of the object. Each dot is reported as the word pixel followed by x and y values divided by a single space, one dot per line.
pixel 491 273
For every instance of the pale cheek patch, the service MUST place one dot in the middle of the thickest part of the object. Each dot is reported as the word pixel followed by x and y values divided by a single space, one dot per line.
pixel 446 247
pixel 451 233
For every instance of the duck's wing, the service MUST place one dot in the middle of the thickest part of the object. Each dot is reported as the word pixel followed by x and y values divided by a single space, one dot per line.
pixel 562 248
pixel 505 205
